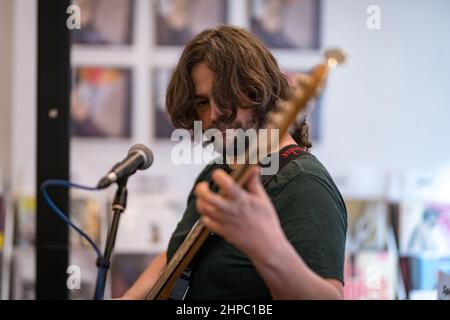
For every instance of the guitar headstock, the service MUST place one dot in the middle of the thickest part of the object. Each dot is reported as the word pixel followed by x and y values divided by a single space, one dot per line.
pixel 305 87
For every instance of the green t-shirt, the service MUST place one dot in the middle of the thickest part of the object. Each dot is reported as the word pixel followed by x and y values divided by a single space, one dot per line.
pixel 312 214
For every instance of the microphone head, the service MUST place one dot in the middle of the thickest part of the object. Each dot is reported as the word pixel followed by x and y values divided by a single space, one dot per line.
pixel 146 153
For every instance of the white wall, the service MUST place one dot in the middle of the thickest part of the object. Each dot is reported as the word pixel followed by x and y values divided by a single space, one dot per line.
pixel 385 112
pixel 389 108
pixel 5 88
pixel 24 96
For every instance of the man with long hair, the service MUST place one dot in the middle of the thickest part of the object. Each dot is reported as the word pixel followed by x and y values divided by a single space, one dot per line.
pixel 282 241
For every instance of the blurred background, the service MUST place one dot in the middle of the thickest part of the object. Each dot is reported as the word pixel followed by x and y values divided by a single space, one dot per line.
pixel 381 127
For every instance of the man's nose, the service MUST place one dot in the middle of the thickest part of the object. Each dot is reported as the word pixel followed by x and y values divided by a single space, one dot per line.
pixel 215 112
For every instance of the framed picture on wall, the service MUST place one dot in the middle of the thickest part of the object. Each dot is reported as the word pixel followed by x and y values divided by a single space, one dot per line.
pixel 178 21
pixel 425 228
pixel 104 22
pixel 286 24
pixel 162 127
pixel 101 103
pixel 367 221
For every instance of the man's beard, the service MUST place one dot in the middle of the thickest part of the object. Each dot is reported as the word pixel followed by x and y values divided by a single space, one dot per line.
pixel 228 145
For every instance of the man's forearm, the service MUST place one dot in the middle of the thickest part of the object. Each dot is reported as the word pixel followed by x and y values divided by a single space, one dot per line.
pixel 147 279
pixel 288 277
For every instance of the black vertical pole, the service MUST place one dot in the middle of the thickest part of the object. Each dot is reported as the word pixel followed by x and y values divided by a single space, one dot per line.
pixel 52 146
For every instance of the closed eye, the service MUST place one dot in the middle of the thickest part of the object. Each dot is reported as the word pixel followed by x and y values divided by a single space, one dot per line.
pixel 201 104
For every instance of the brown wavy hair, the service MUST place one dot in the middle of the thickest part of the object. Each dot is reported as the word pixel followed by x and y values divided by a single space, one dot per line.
pixel 246 75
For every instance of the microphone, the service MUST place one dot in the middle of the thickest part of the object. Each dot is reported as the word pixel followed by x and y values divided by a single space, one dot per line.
pixel 139 158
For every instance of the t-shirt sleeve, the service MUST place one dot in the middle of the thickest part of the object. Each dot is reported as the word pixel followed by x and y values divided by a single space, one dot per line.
pixel 314 219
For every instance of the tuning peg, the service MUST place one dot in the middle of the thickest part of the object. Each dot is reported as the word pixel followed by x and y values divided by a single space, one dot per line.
pixel 335 57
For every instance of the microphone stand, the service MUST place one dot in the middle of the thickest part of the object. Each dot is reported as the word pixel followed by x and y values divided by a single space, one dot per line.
pixel 118 207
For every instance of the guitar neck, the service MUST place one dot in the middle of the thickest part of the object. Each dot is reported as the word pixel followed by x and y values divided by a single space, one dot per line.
pixel 179 262
pixel 187 251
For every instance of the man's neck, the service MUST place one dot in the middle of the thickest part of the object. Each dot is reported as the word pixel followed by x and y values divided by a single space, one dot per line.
pixel 285 141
